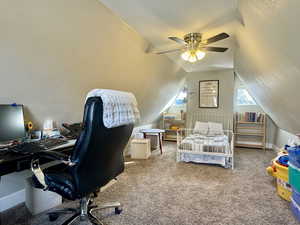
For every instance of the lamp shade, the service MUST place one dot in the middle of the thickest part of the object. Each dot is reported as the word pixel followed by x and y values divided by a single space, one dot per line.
pixel 200 54
pixel 192 55
pixel 185 55
pixel 193 58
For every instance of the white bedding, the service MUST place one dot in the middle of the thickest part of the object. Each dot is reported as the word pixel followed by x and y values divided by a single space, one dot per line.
pixel 200 143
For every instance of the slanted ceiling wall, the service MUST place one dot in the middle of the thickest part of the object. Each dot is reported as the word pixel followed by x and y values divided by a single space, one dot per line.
pixel 271 130
pixel 53 52
pixel 268 57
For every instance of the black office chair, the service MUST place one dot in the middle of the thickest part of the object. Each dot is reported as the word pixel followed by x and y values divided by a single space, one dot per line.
pixel 97 158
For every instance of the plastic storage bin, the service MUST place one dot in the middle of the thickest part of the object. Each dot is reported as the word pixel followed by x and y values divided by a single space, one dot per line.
pixel 280 172
pixel 296 196
pixel 140 149
pixel 294 155
pixel 295 209
pixel 294 177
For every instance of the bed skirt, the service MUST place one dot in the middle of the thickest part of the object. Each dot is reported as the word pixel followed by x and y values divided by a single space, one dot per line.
pixel 202 158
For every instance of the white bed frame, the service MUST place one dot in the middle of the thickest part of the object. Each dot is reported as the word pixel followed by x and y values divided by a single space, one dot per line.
pixel 182 133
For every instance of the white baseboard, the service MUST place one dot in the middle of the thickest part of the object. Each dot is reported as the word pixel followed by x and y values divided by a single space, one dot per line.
pixel 12 200
pixel 268 145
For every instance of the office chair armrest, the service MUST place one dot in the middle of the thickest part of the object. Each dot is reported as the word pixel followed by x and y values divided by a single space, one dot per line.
pixel 54 156
pixel 35 165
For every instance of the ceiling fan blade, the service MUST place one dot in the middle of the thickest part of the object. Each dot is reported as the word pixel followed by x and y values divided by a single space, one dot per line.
pixel 178 40
pixel 216 38
pixel 214 49
pixel 168 51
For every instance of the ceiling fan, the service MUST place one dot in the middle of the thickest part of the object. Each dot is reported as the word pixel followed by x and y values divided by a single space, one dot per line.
pixel 194 47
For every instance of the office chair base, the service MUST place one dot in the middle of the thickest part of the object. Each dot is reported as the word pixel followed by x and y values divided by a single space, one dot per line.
pixel 53 215
pixel 79 219
pixel 85 212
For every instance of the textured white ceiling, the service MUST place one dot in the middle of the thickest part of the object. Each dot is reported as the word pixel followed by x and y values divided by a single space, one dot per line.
pixel 155 20
pixel 266 56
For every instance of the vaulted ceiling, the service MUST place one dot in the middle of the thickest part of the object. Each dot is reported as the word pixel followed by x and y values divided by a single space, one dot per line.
pixel 268 57
pixel 264 44
pixel 155 20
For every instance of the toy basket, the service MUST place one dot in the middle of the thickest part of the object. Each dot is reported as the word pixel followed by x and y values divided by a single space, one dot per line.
pixel 280 172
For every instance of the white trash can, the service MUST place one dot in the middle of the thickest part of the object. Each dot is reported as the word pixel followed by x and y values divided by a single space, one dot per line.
pixel 37 200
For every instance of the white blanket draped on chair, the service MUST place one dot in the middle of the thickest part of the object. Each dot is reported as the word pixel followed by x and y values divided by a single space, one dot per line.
pixel 119 108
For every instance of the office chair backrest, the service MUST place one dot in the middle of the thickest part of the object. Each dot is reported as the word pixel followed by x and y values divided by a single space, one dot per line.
pixel 98 152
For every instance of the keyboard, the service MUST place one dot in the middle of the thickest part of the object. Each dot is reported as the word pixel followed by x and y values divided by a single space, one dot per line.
pixel 50 143
pixel 37 146
pixel 26 148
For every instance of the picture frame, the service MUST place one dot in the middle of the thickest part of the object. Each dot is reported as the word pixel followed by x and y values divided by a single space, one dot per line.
pixel 209 94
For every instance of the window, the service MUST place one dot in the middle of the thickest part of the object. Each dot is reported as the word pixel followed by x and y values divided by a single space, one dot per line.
pixel 244 98
pixel 181 97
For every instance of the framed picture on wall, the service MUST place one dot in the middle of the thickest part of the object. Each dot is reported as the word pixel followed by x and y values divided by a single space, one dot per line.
pixel 209 94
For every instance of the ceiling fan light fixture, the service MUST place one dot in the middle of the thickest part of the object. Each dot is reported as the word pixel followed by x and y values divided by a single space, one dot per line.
pixel 186 55
pixel 193 58
pixel 200 55
pixel 194 47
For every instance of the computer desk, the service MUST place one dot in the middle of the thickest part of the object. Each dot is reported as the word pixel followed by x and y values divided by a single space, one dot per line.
pixel 14 162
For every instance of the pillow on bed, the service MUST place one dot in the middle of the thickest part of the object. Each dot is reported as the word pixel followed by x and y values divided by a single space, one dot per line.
pixel 215 128
pixel 201 128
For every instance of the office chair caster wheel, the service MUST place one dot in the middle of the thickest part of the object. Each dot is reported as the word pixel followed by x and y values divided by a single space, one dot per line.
pixel 53 216
pixel 118 210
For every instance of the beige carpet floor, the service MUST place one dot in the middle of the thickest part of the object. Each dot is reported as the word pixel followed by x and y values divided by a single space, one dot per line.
pixel 159 191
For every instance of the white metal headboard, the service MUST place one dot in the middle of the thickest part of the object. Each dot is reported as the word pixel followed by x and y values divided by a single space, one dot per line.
pixel 210 116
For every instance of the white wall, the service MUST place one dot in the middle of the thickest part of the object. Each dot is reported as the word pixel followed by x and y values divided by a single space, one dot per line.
pixel 226 93
pixel 285 138
pixel 54 52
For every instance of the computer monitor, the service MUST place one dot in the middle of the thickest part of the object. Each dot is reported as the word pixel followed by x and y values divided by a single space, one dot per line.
pixel 11 122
